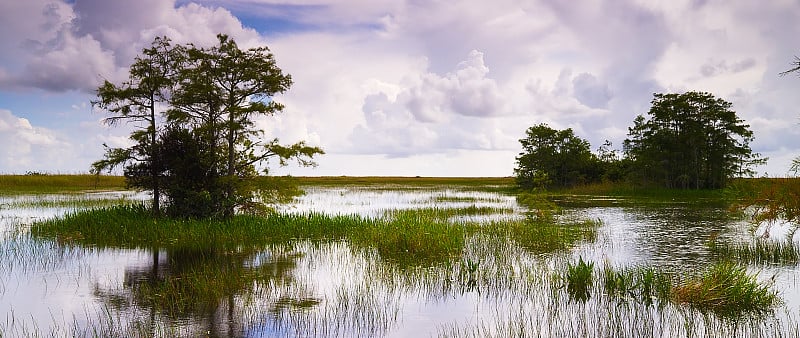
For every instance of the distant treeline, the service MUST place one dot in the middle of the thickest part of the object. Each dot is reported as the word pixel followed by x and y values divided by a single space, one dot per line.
pixel 687 141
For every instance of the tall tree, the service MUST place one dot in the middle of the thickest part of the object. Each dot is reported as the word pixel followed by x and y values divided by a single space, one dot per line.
pixel 554 158
pixel 211 97
pixel 691 140
pixel 139 101
pixel 221 91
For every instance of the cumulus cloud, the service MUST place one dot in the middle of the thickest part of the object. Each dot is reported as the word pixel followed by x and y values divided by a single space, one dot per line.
pixel 590 91
pixel 417 79
pixel 59 47
pixel 434 113
pixel 24 147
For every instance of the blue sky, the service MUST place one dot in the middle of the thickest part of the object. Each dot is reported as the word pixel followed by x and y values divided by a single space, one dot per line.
pixel 409 87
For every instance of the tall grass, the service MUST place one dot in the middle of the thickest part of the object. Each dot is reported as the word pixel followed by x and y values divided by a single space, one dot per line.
pixel 645 285
pixel 726 289
pixel 759 251
pixel 408 237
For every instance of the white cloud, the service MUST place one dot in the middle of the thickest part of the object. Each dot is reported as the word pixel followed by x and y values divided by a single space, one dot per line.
pixel 413 80
pixel 24 147
pixel 60 47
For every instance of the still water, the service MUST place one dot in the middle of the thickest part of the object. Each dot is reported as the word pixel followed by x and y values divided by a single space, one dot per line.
pixel 327 289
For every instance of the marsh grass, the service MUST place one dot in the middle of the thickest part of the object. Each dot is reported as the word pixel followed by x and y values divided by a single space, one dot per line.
pixel 644 285
pixel 408 237
pixel 727 290
pixel 67 201
pixel 38 184
pixel 485 184
pixel 579 280
pixel 760 251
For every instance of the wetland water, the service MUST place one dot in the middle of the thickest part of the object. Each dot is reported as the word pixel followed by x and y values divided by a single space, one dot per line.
pixel 330 288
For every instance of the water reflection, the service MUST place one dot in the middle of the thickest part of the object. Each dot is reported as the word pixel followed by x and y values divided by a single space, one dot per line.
pixel 673 237
pixel 202 289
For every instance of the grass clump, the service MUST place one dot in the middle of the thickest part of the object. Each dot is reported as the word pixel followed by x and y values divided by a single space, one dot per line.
pixel 579 279
pixel 727 290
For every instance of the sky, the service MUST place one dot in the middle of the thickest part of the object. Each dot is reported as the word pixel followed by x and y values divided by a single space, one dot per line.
pixel 409 87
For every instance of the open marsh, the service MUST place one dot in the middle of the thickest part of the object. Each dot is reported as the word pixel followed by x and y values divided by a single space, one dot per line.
pixel 337 265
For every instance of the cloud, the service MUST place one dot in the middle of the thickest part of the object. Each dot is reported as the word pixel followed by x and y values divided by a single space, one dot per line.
pixel 412 80
pixel 24 147
pixel 590 91
pixel 73 48
pixel 433 113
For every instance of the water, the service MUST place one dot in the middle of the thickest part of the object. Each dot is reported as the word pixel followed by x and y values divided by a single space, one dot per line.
pixel 307 288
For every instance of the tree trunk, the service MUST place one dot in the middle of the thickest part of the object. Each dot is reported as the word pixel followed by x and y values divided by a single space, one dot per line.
pixel 155 161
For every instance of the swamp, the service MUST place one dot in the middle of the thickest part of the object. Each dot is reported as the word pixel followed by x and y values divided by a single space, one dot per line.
pixel 383 257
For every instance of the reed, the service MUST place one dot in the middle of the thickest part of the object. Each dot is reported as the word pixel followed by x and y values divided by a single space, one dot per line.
pixel 644 285
pixel 759 251
pixel 727 290
pixel 579 280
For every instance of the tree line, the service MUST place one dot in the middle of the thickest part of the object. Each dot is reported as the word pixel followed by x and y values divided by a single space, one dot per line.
pixel 687 141
pixel 195 140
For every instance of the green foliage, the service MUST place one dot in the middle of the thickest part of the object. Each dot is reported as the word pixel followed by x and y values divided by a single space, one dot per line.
pixel 690 141
pixel 554 158
pixel 579 279
pixel 151 78
pixel 190 178
pixel 727 290
pixel 212 145
pixel 770 199
pixel 645 285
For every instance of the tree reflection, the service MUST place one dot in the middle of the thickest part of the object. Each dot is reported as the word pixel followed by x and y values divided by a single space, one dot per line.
pixel 204 291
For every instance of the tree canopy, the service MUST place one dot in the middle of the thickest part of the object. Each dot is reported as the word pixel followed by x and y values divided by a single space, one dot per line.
pixel 553 157
pixel 690 141
pixel 199 143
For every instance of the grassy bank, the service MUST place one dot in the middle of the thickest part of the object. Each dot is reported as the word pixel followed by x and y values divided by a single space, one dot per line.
pixel 47 184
